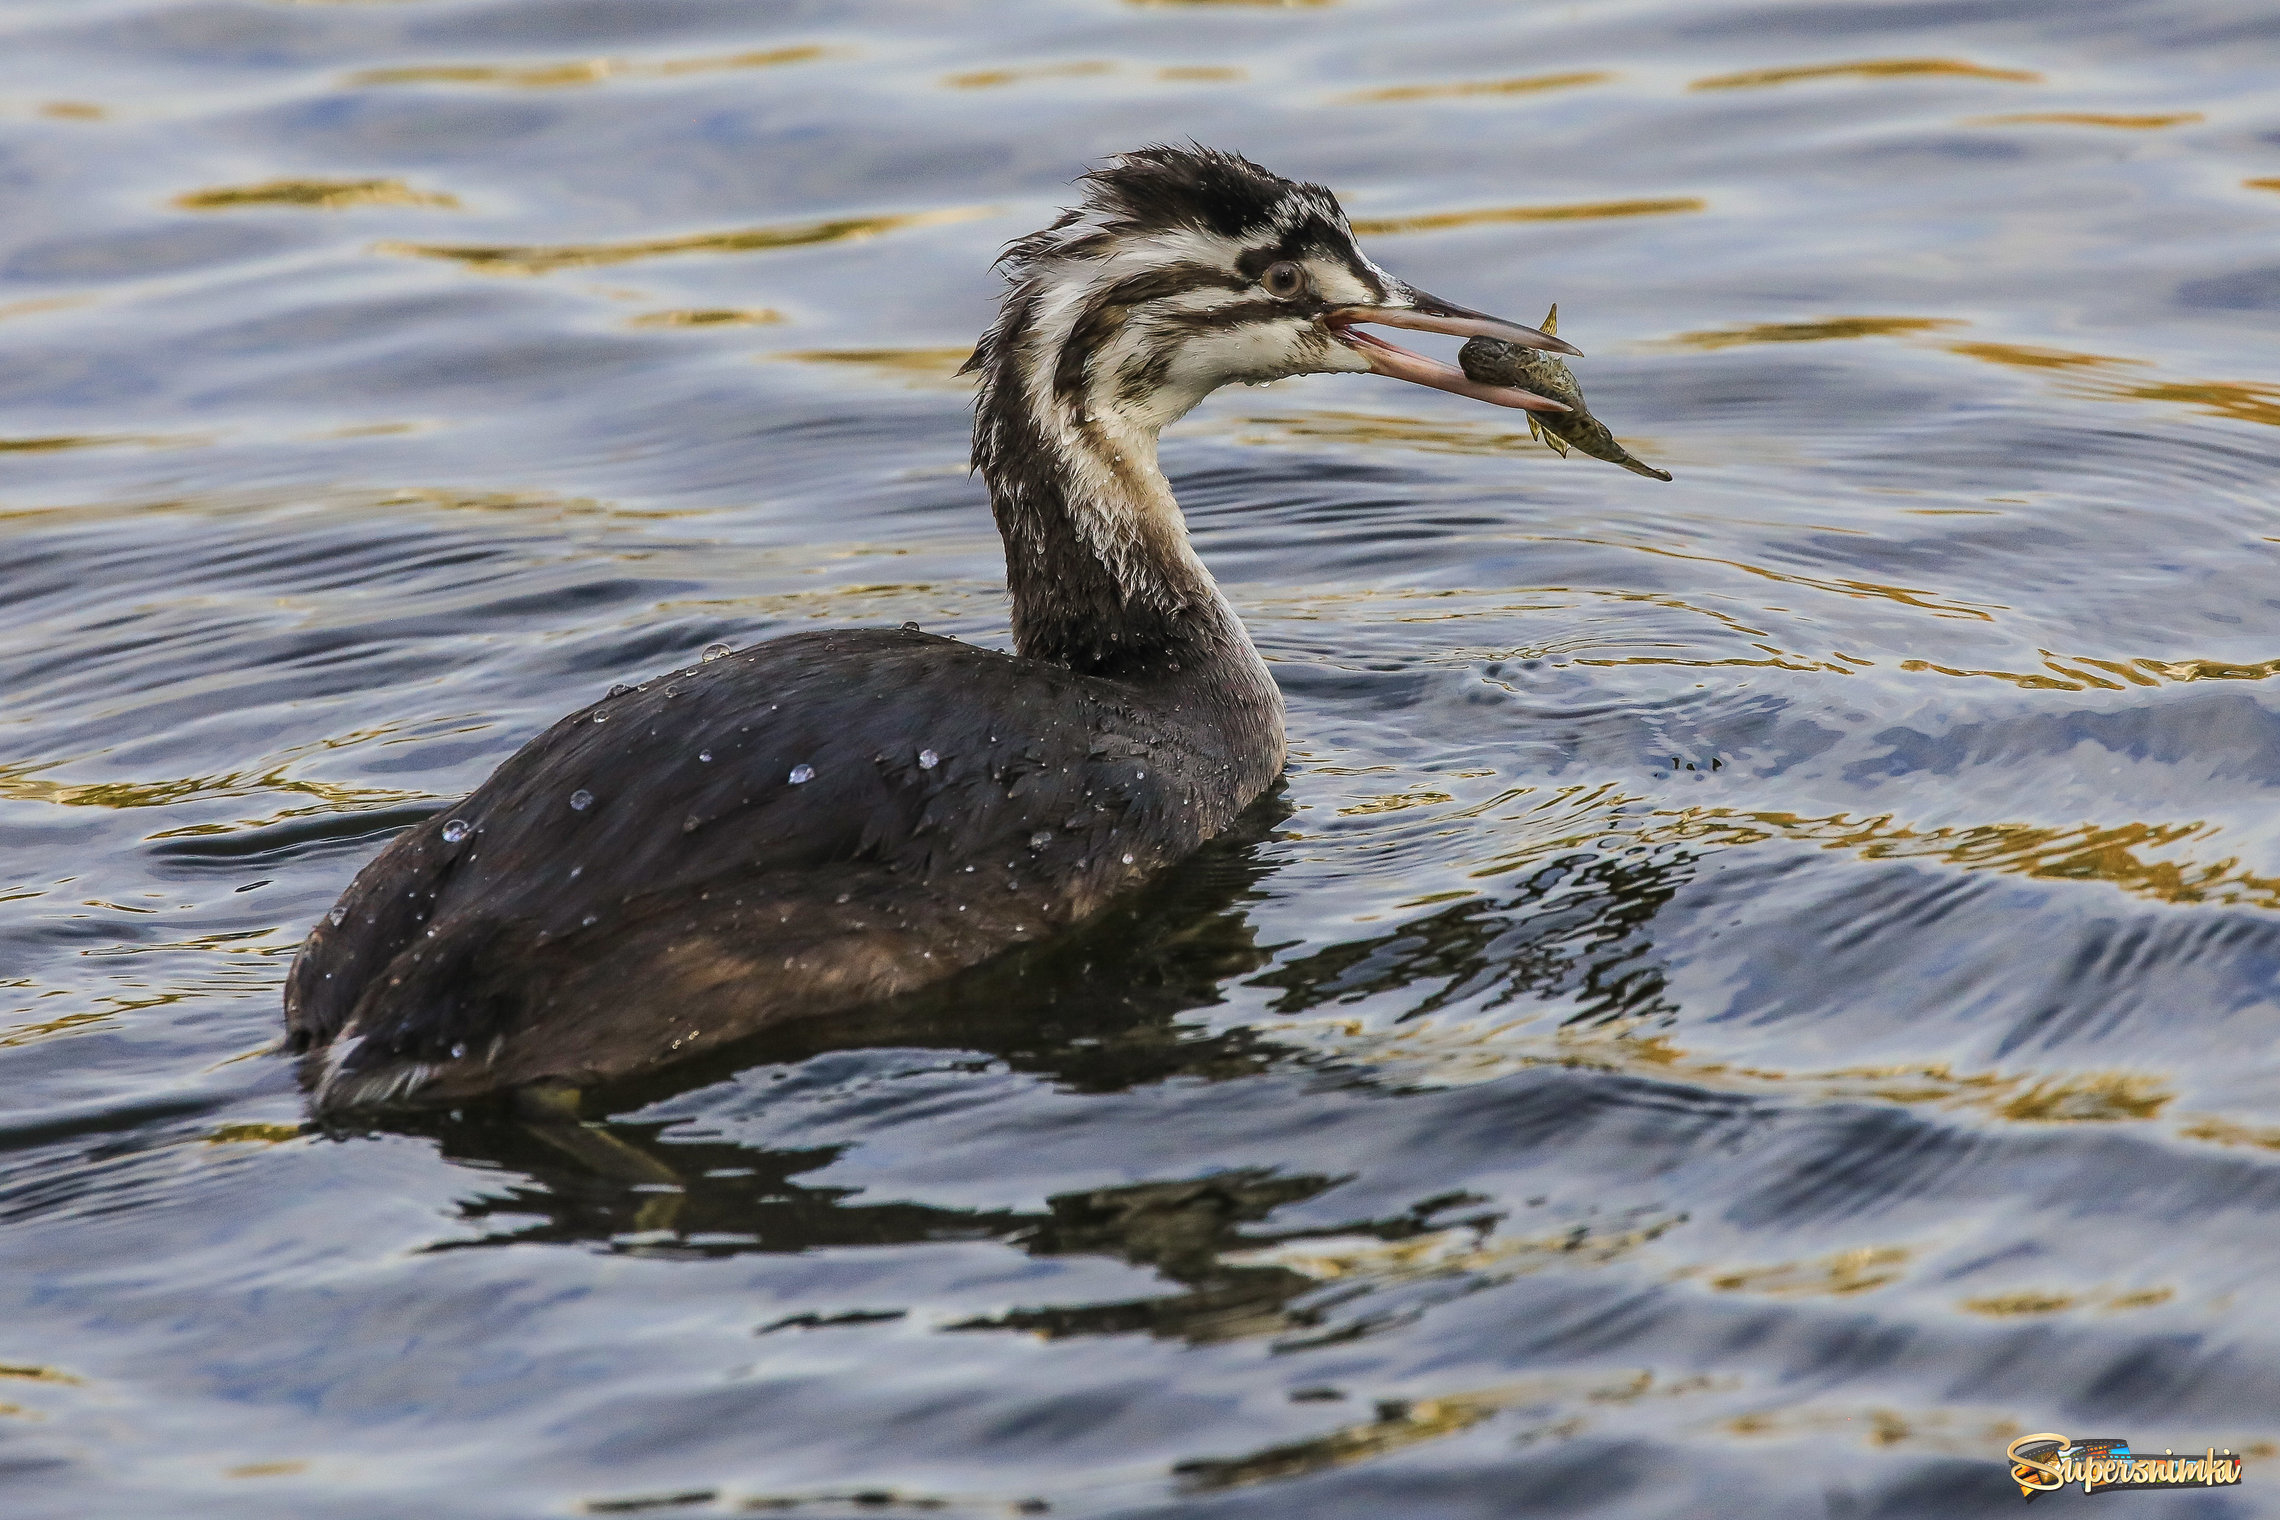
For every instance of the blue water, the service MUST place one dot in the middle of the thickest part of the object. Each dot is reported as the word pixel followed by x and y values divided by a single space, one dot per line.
pixel 1758 991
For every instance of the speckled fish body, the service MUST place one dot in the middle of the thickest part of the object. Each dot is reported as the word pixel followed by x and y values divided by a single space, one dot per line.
pixel 1491 361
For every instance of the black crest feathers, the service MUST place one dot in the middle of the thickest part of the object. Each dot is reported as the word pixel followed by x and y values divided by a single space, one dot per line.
pixel 1166 189
pixel 1195 186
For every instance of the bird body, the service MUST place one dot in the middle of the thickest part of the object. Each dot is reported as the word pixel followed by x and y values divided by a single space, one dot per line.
pixel 765 850
pixel 829 819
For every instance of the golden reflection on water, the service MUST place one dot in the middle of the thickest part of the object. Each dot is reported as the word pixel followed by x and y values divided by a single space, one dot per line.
pixel 1379 430
pixel 1868 68
pixel 2100 1098
pixel 253 1134
pixel 73 110
pixel 2070 672
pixel 373 430
pixel 1769 657
pixel 272 942
pixel 2240 400
pixel 581 71
pixel 1907 596
pixel 95 441
pixel 544 258
pixel 1607 631
pixel 1445 1253
pixel 1450 1048
pixel 1471 88
pixel 1446 1050
pixel 43 303
pixel 1562 1404
pixel 1441 221
pixel 709 316
pixel 21 783
pixel 323 194
pixel 2029 1302
pixel 1940 1431
pixel 26 1034
pixel 1394 802
pixel 2261 184
pixel 928 367
pixel 2065 673
pixel 1824 330
pixel 991 79
pixel 519 501
pixel 1407 1424
pixel 2221 1131
pixel 2025 356
pixel 1860 1270
pixel 2083 852
pixel 1374 429
pixel 36 1374
pixel 2146 123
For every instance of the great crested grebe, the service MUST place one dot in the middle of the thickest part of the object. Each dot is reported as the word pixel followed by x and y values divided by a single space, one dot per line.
pixel 828 819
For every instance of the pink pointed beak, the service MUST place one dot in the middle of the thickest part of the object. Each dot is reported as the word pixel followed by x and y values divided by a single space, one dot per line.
pixel 1425 313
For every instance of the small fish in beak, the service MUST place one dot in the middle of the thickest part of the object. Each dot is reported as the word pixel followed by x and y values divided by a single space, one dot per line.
pixel 1492 362
pixel 1423 313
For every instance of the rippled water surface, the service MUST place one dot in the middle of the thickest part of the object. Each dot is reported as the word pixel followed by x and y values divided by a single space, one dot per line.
pixel 1757 990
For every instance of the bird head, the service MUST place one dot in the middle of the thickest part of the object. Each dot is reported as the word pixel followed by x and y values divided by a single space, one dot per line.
pixel 1186 269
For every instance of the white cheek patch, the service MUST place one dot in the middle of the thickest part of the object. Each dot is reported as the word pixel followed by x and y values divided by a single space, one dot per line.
pixel 1254 352
pixel 1337 284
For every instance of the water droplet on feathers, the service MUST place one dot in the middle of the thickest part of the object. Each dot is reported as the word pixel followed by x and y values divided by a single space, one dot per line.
pixel 580 800
pixel 717 652
pixel 454 831
pixel 705 755
pixel 928 759
pixel 802 774
pixel 1040 839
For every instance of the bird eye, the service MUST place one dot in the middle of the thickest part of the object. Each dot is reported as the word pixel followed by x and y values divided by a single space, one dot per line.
pixel 1283 279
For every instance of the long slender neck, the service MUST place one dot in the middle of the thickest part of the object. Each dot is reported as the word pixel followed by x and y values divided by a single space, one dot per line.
pixel 1097 558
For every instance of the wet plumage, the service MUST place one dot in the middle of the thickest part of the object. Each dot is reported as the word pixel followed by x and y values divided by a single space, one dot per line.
pixel 828 819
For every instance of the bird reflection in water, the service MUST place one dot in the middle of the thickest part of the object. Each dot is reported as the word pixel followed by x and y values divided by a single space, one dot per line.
pixel 1101 1012
pixel 1097 1011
